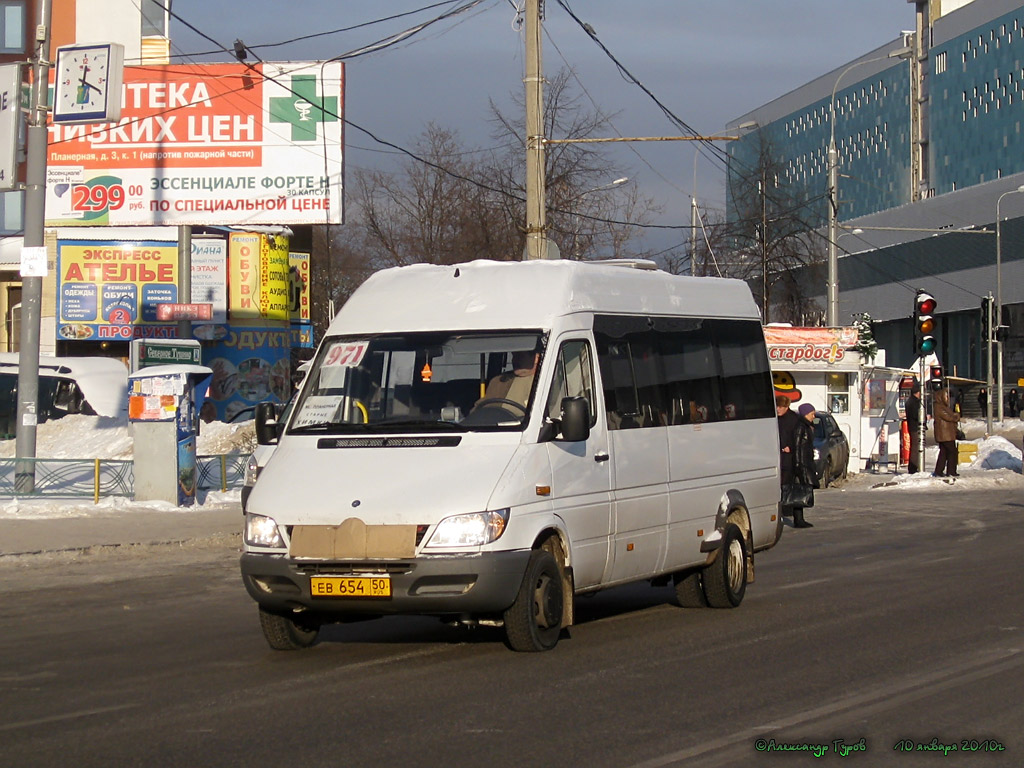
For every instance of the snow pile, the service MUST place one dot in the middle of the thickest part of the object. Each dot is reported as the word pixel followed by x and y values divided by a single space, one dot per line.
pixel 98 437
pixel 997 465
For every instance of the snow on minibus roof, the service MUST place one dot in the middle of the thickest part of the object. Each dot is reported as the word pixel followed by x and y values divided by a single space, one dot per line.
pixel 484 294
pixel 103 380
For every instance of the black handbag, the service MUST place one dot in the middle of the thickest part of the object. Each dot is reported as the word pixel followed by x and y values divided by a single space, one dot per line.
pixel 798 495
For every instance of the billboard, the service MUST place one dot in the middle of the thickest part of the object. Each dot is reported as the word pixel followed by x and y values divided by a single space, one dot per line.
pixel 212 144
pixel 109 290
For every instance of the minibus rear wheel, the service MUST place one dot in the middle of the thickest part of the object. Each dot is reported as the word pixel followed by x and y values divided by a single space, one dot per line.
pixel 285 633
pixel 725 580
pixel 534 620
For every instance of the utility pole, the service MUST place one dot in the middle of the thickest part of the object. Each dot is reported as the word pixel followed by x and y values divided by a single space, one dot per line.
pixel 32 287
pixel 693 236
pixel 536 223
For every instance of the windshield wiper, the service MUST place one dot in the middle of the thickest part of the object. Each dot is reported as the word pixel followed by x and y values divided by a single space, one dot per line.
pixel 329 426
pixel 421 423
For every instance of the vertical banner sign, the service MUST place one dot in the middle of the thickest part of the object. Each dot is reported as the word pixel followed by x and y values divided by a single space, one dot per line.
pixel 299 299
pixel 274 277
pixel 210 277
pixel 210 144
pixel 244 280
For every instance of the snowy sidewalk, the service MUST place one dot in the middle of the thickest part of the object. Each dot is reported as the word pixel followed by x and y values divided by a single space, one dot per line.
pixel 37 526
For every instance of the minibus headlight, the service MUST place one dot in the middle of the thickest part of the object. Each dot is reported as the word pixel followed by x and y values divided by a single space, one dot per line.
pixel 817 454
pixel 261 531
pixel 252 470
pixel 472 530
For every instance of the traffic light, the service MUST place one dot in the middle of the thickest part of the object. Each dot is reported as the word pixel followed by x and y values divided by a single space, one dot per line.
pixel 924 323
pixel 986 319
pixel 935 377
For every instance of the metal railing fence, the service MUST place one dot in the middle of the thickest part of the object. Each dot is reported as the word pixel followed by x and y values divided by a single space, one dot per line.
pixel 98 478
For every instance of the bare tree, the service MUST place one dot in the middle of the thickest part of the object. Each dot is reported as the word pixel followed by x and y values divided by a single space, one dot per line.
pixel 775 247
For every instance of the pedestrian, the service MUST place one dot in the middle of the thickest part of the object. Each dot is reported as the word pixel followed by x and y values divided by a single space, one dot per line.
pixel 945 435
pixel 796 446
pixel 912 408
pixel 983 401
pixel 957 399
pixel 1013 403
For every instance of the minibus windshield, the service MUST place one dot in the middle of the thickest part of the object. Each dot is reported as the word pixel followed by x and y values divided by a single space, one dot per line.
pixel 420 382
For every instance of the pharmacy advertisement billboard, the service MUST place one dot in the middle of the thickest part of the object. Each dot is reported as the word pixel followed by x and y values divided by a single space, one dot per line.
pixel 213 144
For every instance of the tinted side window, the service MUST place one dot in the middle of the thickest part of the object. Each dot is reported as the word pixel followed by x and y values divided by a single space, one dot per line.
pixel 746 378
pixel 691 372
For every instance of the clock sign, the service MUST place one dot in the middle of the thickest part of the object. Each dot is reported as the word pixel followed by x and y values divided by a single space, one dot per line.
pixel 87 83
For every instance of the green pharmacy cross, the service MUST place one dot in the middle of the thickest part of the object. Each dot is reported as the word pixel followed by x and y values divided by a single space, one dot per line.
pixel 303 109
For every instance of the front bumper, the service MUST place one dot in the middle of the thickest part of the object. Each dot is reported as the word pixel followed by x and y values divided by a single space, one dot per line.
pixel 476 584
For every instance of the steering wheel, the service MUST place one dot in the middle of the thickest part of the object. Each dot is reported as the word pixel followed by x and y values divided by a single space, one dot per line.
pixel 500 401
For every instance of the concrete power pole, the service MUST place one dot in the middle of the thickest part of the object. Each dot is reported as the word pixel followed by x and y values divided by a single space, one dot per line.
pixel 536 222
pixel 32 287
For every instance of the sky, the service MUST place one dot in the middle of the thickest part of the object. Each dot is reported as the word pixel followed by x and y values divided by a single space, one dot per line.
pixel 997 465
pixel 708 61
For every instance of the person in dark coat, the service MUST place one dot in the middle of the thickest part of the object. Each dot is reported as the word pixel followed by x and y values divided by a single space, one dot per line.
pixel 1013 404
pixel 804 471
pixel 788 421
pixel 983 401
pixel 796 451
pixel 912 407
pixel 945 434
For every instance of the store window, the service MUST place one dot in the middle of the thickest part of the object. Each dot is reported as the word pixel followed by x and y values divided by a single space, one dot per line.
pixel 837 387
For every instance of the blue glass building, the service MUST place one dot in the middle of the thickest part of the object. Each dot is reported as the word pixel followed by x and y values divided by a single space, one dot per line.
pixel 928 133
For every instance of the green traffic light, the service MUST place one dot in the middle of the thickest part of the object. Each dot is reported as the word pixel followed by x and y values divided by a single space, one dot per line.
pixel 927 345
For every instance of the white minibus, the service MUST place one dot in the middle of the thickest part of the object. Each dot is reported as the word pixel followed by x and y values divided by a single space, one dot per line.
pixel 482 442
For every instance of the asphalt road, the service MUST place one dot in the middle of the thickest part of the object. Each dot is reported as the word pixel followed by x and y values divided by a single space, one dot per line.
pixel 895 622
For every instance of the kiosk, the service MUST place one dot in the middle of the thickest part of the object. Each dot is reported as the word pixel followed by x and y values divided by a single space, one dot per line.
pixel 163 403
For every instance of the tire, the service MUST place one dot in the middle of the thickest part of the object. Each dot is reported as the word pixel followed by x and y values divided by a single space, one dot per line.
pixel 690 589
pixel 826 479
pixel 725 580
pixel 534 620
pixel 284 633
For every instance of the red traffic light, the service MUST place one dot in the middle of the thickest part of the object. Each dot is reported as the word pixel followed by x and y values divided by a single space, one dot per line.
pixel 926 304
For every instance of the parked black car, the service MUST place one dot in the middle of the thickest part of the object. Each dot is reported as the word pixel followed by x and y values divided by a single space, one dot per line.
pixel 831 449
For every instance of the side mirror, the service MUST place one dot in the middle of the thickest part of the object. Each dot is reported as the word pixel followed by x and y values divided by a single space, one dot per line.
pixel 575 419
pixel 268 429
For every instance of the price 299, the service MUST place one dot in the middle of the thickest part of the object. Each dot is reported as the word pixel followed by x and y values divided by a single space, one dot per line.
pixel 100 197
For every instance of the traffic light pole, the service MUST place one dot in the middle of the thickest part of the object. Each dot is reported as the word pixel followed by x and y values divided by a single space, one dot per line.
pixel 922 427
pixel 988 375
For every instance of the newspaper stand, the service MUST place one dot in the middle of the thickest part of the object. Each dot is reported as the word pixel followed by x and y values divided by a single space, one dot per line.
pixel 163 401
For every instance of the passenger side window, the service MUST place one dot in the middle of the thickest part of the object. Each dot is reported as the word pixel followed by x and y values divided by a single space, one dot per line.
pixel 573 377
pixel 747 391
pixel 691 372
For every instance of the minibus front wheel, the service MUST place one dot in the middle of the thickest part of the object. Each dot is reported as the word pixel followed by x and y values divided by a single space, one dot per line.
pixel 534 620
pixel 287 632
pixel 725 579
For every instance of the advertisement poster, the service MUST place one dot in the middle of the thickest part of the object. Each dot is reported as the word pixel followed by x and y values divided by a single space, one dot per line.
pixel 210 277
pixel 299 299
pixel 259 277
pixel 210 144
pixel 249 365
pixel 109 290
pixel 188 472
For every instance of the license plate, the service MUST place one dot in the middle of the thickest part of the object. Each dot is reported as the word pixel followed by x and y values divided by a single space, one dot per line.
pixel 350 586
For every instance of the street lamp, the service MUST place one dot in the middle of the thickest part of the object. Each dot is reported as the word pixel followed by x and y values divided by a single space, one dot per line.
pixel 832 299
pixel 576 215
pixel 999 307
